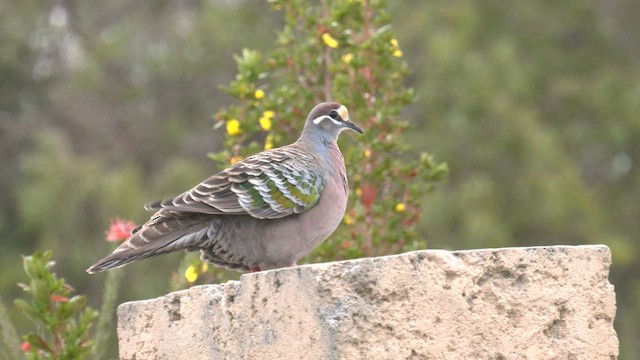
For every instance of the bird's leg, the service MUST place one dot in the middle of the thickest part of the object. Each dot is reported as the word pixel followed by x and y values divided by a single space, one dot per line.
pixel 255 268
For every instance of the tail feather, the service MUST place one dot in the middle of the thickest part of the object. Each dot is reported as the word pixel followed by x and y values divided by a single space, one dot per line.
pixel 167 231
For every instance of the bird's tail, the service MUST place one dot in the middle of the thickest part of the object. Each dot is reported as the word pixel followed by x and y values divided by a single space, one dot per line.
pixel 166 231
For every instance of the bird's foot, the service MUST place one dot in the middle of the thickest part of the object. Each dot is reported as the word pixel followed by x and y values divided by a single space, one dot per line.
pixel 255 268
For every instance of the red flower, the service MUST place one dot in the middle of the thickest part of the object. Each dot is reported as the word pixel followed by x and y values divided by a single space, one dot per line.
pixel 119 230
pixel 26 347
pixel 59 298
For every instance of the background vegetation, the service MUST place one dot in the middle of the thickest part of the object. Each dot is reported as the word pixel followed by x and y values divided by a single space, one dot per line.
pixel 535 106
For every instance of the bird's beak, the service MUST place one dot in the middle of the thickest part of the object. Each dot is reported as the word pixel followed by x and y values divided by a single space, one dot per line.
pixel 353 126
pixel 344 115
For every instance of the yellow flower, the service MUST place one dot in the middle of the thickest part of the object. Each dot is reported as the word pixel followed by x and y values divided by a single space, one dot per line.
pixel 401 207
pixel 204 267
pixel 269 114
pixel 265 123
pixel 367 153
pixel 359 191
pixel 348 219
pixel 233 127
pixel 259 94
pixel 191 274
pixel 396 52
pixel 329 40
pixel 235 159
pixel 268 142
pixel 347 58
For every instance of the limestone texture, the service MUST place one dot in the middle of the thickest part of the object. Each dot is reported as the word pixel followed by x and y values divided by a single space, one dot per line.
pixel 512 303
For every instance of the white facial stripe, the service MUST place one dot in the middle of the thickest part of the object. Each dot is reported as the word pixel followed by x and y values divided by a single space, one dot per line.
pixel 344 113
pixel 320 119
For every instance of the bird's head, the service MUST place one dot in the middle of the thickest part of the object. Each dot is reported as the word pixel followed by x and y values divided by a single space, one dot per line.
pixel 329 119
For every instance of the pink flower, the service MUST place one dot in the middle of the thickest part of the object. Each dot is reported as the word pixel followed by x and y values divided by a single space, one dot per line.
pixel 119 230
pixel 26 347
pixel 59 298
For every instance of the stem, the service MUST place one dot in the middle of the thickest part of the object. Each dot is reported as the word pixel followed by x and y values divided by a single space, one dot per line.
pixel 109 297
pixel 368 72
pixel 369 69
pixel 10 346
pixel 326 60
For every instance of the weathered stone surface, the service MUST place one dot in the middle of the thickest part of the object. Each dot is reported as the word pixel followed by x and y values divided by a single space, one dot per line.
pixel 513 303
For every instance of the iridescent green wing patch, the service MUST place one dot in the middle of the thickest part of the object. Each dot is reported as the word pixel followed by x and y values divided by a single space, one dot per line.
pixel 280 189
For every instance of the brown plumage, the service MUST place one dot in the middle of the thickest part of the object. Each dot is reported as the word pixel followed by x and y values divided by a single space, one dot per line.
pixel 264 212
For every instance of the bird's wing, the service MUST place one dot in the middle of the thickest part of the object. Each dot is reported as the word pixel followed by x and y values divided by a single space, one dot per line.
pixel 270 185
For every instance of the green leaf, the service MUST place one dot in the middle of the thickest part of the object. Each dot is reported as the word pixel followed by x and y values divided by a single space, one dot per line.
pixel 26 308
pixel 76 303
pixel 27 264
pixel 38 343
pixel 41 291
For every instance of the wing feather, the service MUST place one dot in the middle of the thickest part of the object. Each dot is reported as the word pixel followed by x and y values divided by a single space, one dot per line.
pixel 269 185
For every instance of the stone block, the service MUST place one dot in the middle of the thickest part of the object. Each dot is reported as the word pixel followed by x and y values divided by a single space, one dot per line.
pixel 512 303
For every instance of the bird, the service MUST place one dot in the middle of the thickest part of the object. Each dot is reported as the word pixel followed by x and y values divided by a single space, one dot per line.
pixel 264 212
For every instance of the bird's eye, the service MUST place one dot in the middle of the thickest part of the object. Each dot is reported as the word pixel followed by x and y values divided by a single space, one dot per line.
pixel 334 115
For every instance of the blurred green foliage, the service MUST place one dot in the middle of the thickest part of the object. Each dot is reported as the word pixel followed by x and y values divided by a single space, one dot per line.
pixel 534 106
pixel 62 321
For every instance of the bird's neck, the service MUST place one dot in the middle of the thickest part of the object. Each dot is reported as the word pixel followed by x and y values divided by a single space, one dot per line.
pixel 337 167
pixel 327 151
pixel 320 144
